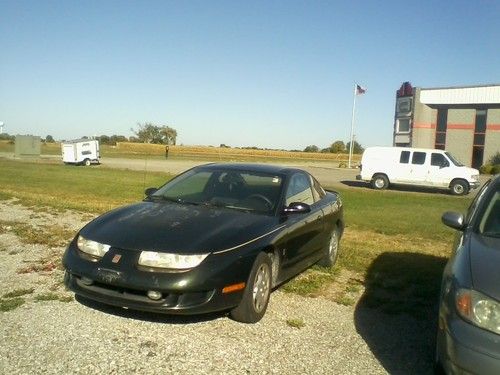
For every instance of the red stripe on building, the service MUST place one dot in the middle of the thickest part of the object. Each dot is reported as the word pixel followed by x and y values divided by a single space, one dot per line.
pixel 460 126
pixel 494 127
pixel 423 125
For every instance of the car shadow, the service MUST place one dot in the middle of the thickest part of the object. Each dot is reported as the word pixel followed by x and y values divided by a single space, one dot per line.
pixel 397 314
pixel 406 188
pixel 148 316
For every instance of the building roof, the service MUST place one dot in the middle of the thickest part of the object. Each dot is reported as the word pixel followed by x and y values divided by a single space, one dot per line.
pixel 485 94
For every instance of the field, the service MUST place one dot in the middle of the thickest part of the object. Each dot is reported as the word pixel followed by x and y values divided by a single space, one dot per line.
pixel 392 253
pixel 141 150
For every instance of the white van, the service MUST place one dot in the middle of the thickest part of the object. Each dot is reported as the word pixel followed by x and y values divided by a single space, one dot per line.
pixel 80 151
pixel 382 166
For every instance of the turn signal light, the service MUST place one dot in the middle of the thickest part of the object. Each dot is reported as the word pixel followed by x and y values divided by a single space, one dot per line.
pixel 233 288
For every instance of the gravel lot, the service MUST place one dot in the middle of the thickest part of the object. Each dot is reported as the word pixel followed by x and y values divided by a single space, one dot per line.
pixel 61 336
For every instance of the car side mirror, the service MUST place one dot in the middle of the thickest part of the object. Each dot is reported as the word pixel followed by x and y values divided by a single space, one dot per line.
pixel 150 191
pixel 454 220
pixel 297 208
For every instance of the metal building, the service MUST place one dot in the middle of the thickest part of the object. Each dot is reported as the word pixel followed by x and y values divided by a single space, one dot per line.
pixel 27 146
pixel 463 120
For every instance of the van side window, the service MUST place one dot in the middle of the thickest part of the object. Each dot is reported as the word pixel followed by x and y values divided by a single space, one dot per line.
pixel 418 158
pixel 438 160
pixel 405 157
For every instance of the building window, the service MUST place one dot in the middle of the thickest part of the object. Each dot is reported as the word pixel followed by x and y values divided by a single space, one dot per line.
pixel 442 121
pixel 403 125
pixel 479 137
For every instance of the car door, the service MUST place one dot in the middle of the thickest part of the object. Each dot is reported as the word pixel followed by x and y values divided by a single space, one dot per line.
pixel 305 230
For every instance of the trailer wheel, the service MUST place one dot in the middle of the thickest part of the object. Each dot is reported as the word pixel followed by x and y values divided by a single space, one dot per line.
pixel 86 162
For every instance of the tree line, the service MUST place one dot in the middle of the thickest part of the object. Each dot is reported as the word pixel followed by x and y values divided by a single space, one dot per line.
pixel 337 147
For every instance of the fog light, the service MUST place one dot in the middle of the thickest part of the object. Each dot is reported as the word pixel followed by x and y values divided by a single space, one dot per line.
pixel 154 295
pixel 86 281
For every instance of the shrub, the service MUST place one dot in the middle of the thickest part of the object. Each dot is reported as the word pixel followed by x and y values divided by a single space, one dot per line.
pixel 495 159
pixel 495 169
pixel 485 169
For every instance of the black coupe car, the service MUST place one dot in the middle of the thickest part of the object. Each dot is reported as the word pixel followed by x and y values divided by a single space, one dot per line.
pixel 217 237
pixel 468 339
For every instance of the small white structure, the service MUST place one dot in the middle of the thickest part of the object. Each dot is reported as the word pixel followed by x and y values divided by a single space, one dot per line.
pixel 382 166
pixel 80 151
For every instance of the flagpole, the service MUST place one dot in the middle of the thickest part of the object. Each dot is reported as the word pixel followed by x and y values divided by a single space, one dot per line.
pixel 352 126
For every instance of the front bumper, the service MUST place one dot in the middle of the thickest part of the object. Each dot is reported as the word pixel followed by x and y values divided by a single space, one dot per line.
pixel 474 184
pixel 467 349
pixel 192 292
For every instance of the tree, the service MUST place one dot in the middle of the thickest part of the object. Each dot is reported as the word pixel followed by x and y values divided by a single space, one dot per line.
pixel 149 133
pixel 337 146
pixel 49 139
pixel 311 148
pixel 356 147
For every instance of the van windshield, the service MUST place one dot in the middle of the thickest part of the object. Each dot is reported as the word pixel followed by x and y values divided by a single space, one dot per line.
pixel 453 160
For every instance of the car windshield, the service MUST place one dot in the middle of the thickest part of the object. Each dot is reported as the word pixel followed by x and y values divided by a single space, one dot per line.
pixel 489 224
pixel 453 160
pixel 234 189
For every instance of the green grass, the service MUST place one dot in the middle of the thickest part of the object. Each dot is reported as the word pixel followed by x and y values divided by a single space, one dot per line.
pixel 296 323
pixel 68 187
pixel 10 304
pixel 18 293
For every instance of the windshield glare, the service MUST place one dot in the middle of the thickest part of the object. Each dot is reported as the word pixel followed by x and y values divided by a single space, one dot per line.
pixel 243 190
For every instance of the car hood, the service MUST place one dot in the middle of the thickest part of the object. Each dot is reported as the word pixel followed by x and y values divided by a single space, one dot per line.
pixel 178 228
pixel 485 260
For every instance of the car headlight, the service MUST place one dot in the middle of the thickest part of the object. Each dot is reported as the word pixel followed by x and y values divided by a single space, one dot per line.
pixel 170 261
pixel 479 309
pixel 93 248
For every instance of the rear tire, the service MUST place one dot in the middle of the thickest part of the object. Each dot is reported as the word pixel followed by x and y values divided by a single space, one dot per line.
pixel 459 187
pixel 380 182
pixel 255 298
pixel 86 162
pixel 332 250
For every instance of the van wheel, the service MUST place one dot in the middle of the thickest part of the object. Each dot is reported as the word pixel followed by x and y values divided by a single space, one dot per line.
pixel 86 162
pixel 459 187
pixel 380 182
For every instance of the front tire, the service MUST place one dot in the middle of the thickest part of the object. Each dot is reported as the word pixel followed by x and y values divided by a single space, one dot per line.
pixel 255 299
pixel 380 182
pixel 332 251
pixel 459 187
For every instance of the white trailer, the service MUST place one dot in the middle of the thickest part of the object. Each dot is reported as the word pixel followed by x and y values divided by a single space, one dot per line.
pixel 80 151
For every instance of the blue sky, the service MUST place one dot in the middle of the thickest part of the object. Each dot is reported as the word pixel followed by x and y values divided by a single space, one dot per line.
pixel 275 74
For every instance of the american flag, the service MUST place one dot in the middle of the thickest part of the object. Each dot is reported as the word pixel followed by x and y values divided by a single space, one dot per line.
pixel 360 90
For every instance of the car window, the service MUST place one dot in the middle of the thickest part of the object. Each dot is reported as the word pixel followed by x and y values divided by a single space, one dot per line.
pixel 299 190
pixel 438 160
pixel 318 191
pixel 405 157
pixel 489 224
pixel 475 203
pixel 418 158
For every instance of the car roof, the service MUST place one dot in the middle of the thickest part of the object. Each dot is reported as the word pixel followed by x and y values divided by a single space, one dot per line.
pixel 251 167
